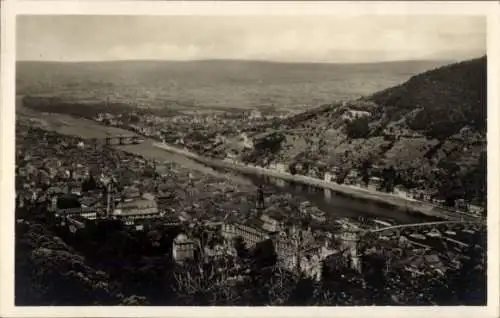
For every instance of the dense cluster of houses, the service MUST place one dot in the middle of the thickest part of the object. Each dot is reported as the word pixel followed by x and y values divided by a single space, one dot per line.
pixel 297 248
pixel 354 178
pixel 79 183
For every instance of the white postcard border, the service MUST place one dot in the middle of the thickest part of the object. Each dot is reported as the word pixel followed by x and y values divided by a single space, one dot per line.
pixel 7 116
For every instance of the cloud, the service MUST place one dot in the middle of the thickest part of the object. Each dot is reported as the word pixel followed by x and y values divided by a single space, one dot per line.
pixel 283 38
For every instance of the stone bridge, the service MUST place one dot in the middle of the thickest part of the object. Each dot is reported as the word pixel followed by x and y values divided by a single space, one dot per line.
pixel 118 140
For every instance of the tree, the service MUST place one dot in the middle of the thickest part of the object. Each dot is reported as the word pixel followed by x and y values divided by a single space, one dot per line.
pixel 302 293
pixel 389 177
pixel 263 255
pixel 204 284
pixel 134 301
pixel 374 266
pixel 365 167
pixel 241 248
pixel 358 128
pixel 472 291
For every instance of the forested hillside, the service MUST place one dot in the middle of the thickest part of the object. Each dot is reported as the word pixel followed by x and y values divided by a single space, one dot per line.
pixel 450 98
pixel 430 129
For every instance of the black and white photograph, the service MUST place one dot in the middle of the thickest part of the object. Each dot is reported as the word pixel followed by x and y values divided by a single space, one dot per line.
pixel 251 160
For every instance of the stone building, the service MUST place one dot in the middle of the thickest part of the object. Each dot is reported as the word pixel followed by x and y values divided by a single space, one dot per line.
pixel 183 248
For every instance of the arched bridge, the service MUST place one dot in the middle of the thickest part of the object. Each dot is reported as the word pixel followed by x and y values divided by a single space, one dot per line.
pixel 118 140
pixel 423 224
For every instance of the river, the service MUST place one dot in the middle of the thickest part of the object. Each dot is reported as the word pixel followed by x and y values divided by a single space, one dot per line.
pixel 327 200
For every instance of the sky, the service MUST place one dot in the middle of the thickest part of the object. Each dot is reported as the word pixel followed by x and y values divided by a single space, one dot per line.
pixel 330 39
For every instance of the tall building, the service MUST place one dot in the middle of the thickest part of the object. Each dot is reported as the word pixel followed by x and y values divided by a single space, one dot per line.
pixel 350 243
pixel 251 235
pixel 183 248
pixel 110 201
pixel 260 198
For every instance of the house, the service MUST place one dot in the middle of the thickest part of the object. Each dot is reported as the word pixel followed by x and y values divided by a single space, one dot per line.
pixel 183 248
pixel 461 205
pixel 350 114
pixel 255 114
pixel 86 213
pixel 304 207
pixel 313 172
pixel 376 169
pixel 280 167
pixel 139 209
pixel 55 190
pixel 475 209
pixel 439 201
pixel 311 265
pixel 353 177
pixel 349 240
pixel 466 132
pixel 246 142
pixel 75 223
pixel 420 194
pixel 271 224
pixel 374 183
pixel 401 191
pixel 318 215
pixel 330 177
pixel 432 261
pixel 131 193
pixel 89 201
pixel 184 216
pixel 299 167
pixel 251 234
pixel 218 250
pixel 231 156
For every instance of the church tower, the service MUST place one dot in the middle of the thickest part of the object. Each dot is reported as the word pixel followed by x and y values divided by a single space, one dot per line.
pixel 110 199
pixel 260 198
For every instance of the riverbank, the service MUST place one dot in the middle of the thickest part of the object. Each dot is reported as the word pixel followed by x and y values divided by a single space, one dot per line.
pixel 409 206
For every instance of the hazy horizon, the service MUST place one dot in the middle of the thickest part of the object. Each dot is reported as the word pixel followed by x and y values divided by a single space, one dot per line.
pixel 281 39
pixel 249 61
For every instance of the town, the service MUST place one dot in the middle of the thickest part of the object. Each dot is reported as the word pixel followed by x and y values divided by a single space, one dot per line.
pixel 301 159
pixel 216 218
pixel 215 136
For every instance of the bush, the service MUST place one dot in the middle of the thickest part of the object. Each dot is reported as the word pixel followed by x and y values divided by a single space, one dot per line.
pixel 358 128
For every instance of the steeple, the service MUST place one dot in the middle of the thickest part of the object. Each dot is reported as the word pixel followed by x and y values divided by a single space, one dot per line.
pixel 109 198
pixel 260 198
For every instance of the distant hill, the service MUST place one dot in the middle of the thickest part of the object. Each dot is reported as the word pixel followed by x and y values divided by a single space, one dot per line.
pixel 213 83
pixel 431 127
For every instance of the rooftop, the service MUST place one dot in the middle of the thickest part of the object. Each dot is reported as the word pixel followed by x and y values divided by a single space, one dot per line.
pixel 140 206
pixel 182 239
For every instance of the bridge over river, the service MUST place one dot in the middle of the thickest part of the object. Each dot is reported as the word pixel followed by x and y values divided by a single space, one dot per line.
pixel 118 140
pixel 421 225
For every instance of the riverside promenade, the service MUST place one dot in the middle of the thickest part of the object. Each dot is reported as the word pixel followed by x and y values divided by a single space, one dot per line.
pixel 408 205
